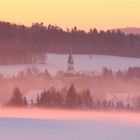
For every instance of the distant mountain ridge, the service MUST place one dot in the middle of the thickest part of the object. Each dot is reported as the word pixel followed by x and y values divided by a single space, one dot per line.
pixel 129 30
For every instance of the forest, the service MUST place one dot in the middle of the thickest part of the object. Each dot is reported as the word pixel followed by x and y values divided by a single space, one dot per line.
pixel 68 99
pixel 72 97
pixel 20 44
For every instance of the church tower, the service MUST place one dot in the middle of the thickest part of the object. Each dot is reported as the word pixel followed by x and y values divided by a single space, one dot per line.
pixel 70 64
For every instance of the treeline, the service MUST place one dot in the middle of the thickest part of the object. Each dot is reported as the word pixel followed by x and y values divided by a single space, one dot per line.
pixel 53 98
pixel 132 73
pixel 69 99
pixel 22 44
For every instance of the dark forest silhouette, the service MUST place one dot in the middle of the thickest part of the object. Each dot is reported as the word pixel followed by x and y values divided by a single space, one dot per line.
pixel 22 44
pixel 68 99
pixel 53 98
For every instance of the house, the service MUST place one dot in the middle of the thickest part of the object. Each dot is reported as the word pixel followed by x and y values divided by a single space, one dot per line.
pixel 32 95
pixel 127 99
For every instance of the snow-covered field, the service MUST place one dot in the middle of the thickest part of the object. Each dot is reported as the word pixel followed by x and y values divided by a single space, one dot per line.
pixel 29 129
pixel 57 62
pixel 64 125
pixel 57 125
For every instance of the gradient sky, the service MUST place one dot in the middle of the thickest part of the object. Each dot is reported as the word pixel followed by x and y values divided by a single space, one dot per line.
pixel 85 14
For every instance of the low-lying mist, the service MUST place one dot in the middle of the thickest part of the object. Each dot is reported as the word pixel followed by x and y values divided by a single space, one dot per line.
pixel 81 115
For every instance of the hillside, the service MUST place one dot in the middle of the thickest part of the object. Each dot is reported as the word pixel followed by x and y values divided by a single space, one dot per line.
pixel 129 30
pixel 20 44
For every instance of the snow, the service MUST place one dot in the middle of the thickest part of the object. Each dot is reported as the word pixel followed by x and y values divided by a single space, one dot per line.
pixel 32 95
pixel 58 62
pixel 25 129
pixel 125 98
pixel 97 127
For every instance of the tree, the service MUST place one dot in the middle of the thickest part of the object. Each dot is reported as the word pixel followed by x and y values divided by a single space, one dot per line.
pixel 107 73
pixel 138 103
pixel 58 99
pixel 104 103
pixel 86 99
pixel 72 98
pixel 32 102
pixel 25 102
pixel 44 99
pixel 17 98
pixel 119 74
pixel 38 100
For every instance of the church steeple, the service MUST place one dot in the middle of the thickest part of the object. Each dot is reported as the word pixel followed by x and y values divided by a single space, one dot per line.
pixel 70 63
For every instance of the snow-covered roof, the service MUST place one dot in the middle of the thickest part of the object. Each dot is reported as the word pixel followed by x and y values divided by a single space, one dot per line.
pixel 32 94
pixel 119 96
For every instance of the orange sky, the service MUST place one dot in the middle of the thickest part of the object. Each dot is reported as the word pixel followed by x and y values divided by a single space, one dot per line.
pixel 85 14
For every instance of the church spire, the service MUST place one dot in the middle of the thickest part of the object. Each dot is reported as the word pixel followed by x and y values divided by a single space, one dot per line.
pixel 70 63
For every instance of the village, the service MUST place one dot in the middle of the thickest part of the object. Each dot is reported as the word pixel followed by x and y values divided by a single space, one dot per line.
pixel 105 90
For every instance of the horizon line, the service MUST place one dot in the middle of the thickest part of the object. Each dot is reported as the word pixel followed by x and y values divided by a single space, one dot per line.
pixel 65 28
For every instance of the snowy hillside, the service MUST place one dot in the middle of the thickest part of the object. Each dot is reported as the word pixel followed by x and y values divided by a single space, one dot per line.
pixel 84 63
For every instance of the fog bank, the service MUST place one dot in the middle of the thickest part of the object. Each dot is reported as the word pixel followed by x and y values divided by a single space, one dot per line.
pixel 55 114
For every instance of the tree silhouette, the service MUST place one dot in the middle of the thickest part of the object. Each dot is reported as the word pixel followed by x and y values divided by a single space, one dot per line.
pixel 17 98
pixel 72 98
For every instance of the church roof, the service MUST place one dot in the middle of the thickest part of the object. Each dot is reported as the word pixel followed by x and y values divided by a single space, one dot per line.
pixel 70 59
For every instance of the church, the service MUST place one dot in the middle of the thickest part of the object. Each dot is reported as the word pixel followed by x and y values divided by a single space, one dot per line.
pixel 70 64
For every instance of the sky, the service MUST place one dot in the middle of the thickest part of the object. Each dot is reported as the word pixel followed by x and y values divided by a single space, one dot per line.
pixel 85 14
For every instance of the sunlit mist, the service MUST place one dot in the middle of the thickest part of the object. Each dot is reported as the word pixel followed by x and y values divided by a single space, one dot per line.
pixel 56 114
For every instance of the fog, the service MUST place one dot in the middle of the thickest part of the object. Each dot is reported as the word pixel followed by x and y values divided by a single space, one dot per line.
pixel 42 124
pixel 57 62
pixel 36 83
pixel 60 114
pixel 60 124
